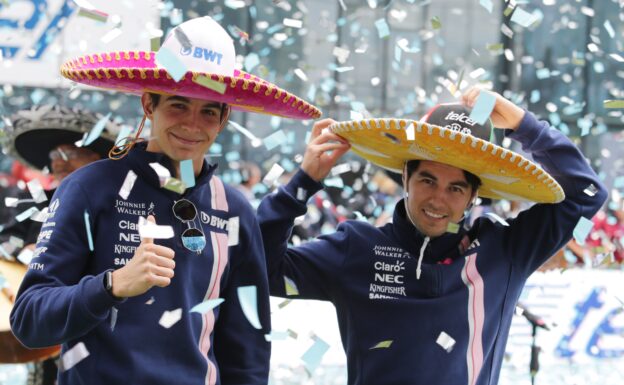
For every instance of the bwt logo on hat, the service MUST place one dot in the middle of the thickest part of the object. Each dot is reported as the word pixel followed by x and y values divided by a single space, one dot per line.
pixel 202 53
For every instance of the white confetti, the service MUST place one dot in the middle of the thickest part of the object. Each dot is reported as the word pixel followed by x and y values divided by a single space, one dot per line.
pixel 21 217
pixel 127 185
pixel 149 229
pixel 10 202
pixel 302 194
pixel 162 172
pixel 113 320
pixel 25 256
pixel 498 219
pixel 301 75
pixel 341 169
pixel 294 23
pixel 36 191
pixel 274 173
pixel 170 318
pixel 447 342
pixel 73 356
pixel 111 35
pixel 233 230
pixel 410 131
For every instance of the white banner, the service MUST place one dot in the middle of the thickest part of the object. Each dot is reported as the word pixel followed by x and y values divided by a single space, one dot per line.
pixel 37 36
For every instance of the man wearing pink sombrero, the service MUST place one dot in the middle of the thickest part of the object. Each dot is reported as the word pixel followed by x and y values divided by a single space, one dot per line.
pixel 424 300
pixel 180 297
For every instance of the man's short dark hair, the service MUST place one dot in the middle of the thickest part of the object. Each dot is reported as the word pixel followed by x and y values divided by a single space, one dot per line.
pixel 471 178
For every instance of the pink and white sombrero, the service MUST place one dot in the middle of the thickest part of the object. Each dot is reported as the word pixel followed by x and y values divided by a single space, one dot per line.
pixel 203 52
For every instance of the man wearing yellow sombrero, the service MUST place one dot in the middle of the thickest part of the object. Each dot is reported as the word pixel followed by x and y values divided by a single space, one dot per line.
pixel 179 298
pixel 422 300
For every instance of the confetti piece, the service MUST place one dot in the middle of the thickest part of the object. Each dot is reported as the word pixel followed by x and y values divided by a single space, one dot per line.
pixel 313 356
pixel 452 227
pixel 410 131
pixel 382 345
pixel 276 336
pixel 483 107
pixel 73 356
pixel 187 173
pixel 88 227
pixel 127 185
pixel 294 23
pixel 435 23
pixel 113 320
pixel 582 229
pixel 341 169
pixel 175 185
pixel 174 67
pixel 275 139
pixel 591 190
pixel 25 256
pixel 284 303
pixel 522 17
pixel 111 35
pixel 10 202
pixel 291 287
pixel 342 54
pixel 155 44
pixel 609 28
pixel 613 104
pixel 302 194
pixel 170 318
pixel 235 4
pixel 383 30
pixel 233 231
pixel 26 214
pixel 497 218
pixel 292 334
pixel 206 306
pixel 162 172
pixel 251 61
pixel 487 4
pixel 149 229
pixel 300 74
pixel 207 82
pixel 247 296
pixel 93 14
pixel 150 301
pixel 255 142
pixel 36 191
pixel 182 38
pixel 274 173
pixel 446 342
pixel 40 216
pixel 344 69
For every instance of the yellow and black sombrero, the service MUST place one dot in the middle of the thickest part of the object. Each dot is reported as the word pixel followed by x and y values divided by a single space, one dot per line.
pixel 455 140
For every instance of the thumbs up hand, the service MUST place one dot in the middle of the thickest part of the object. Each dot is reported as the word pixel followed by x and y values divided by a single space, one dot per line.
pixel 151 265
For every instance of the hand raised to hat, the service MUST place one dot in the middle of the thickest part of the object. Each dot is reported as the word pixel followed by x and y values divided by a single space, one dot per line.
pixel 505 113
pixel 151 265
pixel 323 150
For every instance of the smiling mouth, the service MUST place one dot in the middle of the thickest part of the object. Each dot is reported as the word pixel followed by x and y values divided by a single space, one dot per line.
pixel 185 141
pixel 434 215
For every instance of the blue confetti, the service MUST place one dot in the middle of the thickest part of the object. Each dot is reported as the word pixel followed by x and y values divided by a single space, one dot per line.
pixel 171 63
pixel 582 229
pixel 207 305
pixel 275 139
pixel 88 226
pixel 247 296
pixel 312 357
pixel 383 30
pixel 96 131
pixel 483 107
pixel 187 173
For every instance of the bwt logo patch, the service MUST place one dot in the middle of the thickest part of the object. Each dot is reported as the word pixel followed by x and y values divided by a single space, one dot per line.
pixel 202 53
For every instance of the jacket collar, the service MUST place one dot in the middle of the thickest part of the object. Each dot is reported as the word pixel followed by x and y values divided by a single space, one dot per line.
pixel 447 245
pixel 139 159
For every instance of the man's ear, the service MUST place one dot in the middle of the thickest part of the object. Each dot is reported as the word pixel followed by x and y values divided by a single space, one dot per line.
pixel 473 199
pixel 146 103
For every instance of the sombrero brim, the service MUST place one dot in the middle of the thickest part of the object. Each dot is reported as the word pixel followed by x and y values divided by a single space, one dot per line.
pixel 389 143
pixel 136 72
pixel 34 146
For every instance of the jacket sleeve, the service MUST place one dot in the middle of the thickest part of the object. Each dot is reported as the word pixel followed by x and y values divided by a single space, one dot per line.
pixel 242 352
pixel 56 301
pixel 537 233
pixel 312 269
